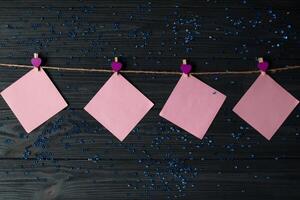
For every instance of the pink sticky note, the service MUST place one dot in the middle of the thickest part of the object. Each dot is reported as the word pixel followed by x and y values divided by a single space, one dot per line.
pixel 265 106
pixel 33 99
pixel 192 105
pixel 118 106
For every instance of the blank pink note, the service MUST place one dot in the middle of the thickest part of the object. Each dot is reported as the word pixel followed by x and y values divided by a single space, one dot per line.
pixel 118 106
pixel 192 105
pixel 33 99
pixel 265 106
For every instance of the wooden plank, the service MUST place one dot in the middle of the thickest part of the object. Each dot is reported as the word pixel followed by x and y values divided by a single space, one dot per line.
pixel 72 156
pixel 49 29
pixel 113 179
pixel 14 4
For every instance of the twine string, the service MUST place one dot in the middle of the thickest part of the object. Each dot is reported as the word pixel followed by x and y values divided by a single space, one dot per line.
pixel 80 69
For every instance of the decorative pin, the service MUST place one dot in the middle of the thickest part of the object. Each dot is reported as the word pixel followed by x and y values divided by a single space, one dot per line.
pixel 116 65
pixel 262 65
pixel 36 61
pixel 185 68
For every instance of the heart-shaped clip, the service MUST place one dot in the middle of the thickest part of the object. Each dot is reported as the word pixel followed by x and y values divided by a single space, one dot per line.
pixel 185 68
pixel 262 65
pixel 36 61
pixel 116 65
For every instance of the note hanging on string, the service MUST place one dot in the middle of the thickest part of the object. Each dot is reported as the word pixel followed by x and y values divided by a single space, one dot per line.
pixel 33 99
pixel 118 106
pixel 193 105
pixel 265 106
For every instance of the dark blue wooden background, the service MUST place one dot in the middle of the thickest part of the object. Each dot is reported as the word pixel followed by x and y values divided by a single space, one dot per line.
pixel 74 157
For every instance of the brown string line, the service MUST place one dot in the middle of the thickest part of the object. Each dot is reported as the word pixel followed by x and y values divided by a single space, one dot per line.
pixel 150 72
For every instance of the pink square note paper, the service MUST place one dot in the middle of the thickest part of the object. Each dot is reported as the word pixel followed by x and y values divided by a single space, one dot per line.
pixel 33 99
pixel 192 105
pixel 118 106
pixel 265 106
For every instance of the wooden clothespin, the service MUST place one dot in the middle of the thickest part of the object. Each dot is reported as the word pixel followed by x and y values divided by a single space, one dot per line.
pixel 36 61
pixel 116 65
pixel 185 68
pixel 262 65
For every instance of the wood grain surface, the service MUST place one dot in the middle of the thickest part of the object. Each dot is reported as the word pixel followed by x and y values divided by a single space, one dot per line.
pixel 72 156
